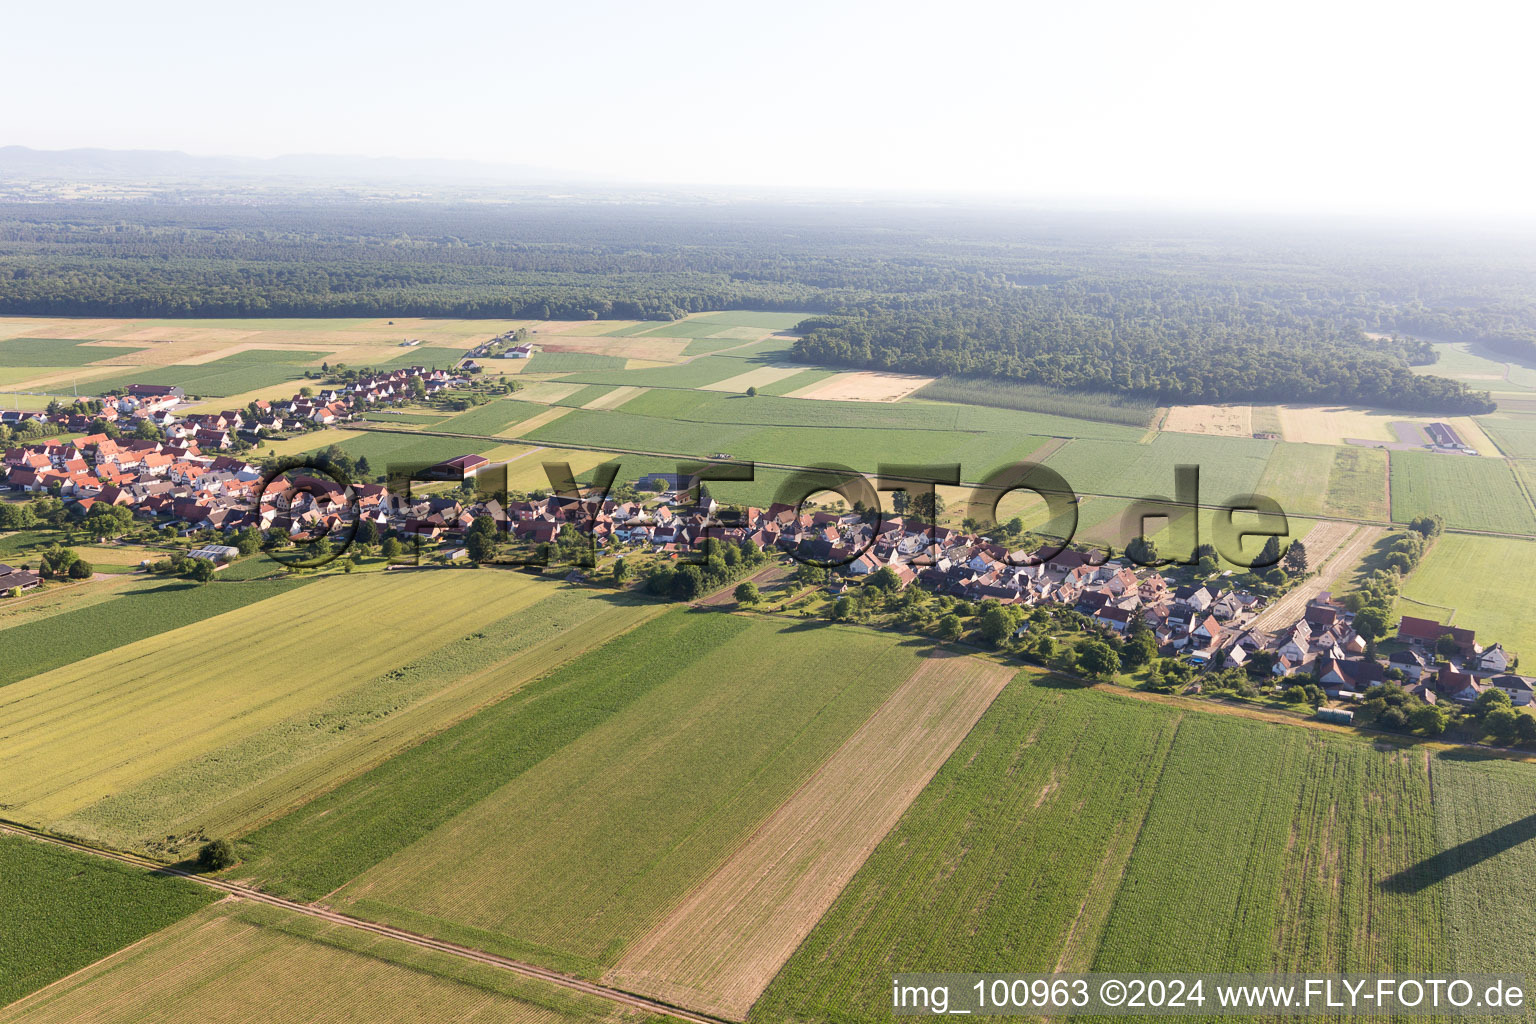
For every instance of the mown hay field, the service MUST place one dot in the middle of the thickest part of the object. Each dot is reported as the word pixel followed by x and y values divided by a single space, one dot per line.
pixel 1474 494
pixel 263 963
pixel 89 747
pixel 1514 433
pixel 722 946
pixel 591 848
pixel 63 910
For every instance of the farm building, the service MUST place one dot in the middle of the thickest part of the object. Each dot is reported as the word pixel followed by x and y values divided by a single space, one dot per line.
pixel 1427 632
pixel 215 553
pixel 518 352
pixel 17 579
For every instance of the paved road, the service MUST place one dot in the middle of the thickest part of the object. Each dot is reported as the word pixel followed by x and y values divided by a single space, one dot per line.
pixel 515 966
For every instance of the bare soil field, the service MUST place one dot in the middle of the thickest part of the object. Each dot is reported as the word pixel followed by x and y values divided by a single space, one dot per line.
pixel 863 386
pixel 1231 420
pixel 722 946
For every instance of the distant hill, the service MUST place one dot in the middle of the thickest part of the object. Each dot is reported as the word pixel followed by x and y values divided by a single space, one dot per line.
pixel 145 164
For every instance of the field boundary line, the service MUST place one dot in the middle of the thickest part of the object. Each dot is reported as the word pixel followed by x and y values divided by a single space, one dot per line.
pixel 386 931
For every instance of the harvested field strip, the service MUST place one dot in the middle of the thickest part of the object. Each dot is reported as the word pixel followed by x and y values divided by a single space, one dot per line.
pixel 77 734
pixel 533 423
pixel 723 945
pixel 547 392
pixel 274 964
pixel 592 848
pixel 613 399
pixel 757 378
pixel 863 386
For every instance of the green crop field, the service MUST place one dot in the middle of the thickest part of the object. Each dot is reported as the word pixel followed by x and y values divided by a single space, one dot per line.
pixel 1485 820
pixel 1024 830
pixel 1479 368
pixel 63 910
pixel 586 850
pixel 386 417
pixel 565 362
pixel 695 374
pixel 1514 433
pixel 862 448
pixel 1033 398
pixel 581 397
pixel 1266 849
pixel 161 752
pixel 383 449
pixel 491 418
pixel 50 352
pixel 1473 577
pixel 36 646
pixel 266 963
pixel 1471 493
pixel 1076 830
pixel 232 375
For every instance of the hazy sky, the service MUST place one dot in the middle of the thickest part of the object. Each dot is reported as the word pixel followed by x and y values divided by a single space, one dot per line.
pixel 1336 105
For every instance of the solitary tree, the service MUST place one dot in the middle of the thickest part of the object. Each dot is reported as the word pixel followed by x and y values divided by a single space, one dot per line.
pixel 747 593
pixel 950 628
pixel 216 855
pixel 751 392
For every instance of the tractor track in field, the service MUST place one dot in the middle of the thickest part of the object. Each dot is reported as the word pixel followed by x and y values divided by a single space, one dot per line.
pixel 519 967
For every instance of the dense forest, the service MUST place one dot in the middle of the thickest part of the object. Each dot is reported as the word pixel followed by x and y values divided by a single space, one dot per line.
pixel 1158 308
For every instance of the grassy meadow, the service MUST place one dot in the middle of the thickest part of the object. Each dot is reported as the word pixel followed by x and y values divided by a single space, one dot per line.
pixel 1472 577
pixel 1471 494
